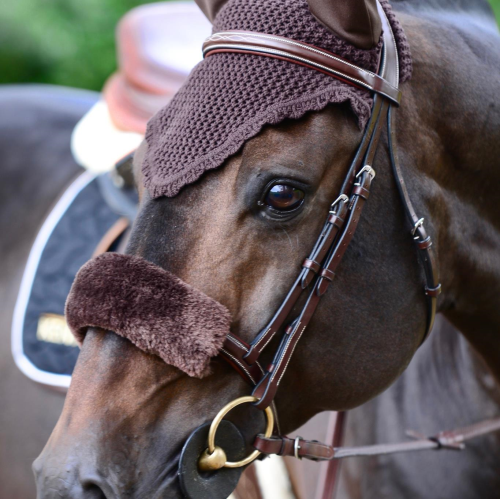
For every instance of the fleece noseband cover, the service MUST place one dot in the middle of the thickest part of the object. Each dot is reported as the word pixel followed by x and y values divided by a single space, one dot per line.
pixel 151 307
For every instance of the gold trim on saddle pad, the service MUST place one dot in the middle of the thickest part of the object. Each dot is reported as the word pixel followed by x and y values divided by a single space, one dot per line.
pixel 53 328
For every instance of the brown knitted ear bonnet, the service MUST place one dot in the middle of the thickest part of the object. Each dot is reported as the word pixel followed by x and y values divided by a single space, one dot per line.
pixel 230 97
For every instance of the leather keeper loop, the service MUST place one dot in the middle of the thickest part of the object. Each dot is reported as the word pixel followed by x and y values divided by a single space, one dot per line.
pixel 433 292
pixel 425 244
pixel 282 450
pixel 360 191
pixel 311 265
pixel 336 220
pixel 327 274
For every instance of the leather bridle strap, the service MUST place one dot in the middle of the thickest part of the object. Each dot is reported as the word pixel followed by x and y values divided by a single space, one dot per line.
pixel 238 353
pixel 345 212
pixel 266 389
pixel 339 208
pixel 316 451
pixel 311 266
pixel 300 53
pixel 420 237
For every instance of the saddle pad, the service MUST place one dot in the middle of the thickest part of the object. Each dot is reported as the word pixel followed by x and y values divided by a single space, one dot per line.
pixel 43 347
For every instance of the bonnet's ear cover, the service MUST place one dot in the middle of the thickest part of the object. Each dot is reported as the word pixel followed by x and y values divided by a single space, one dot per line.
pixel 151 307
pixel 356 21
pixel 210 7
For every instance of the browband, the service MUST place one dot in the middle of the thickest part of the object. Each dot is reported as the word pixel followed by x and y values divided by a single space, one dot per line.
pixel 300 53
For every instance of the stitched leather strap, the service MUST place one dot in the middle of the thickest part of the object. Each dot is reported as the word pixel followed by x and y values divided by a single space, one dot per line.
pixel 420 237
pixel 316 451
pixel 336 235
pixel 324 242
pixel 234 351
pixel 268 384
pixel 300 53
pixel 267 387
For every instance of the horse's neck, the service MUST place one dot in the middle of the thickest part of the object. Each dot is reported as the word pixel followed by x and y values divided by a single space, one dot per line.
pixel 445 386
pixel 449 130
pixel 447 369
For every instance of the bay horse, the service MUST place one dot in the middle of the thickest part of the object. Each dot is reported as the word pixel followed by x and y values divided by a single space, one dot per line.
pixel 128 414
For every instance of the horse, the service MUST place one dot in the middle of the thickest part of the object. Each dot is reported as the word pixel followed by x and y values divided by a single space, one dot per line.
pixel 35 128
pixel 128 413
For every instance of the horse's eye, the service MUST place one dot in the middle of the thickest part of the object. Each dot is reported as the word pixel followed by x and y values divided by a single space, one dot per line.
pixel 284 197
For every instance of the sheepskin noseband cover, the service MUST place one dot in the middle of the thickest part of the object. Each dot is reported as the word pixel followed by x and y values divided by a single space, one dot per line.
pixel 151 307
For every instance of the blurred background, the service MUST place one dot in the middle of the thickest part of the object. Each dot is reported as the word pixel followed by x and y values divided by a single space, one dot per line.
pixel 65 42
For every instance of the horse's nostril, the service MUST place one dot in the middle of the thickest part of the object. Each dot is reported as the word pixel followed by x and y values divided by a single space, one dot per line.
pixel 93 490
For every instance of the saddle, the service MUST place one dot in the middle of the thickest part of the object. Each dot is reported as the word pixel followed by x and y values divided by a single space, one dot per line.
pixel 157 46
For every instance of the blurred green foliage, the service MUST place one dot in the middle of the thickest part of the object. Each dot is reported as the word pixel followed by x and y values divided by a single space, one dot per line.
pixel 496 9
pixel 65 42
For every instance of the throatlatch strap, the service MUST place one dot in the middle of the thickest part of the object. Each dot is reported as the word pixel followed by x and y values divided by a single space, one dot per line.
pixel 421 239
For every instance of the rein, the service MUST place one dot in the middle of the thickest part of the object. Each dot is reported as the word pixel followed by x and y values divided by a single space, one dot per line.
pixel 318 269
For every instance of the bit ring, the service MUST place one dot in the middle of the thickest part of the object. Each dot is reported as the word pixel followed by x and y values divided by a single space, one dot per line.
pixel 206 463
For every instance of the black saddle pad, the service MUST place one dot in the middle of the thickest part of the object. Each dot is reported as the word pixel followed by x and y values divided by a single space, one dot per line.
pixel 43 347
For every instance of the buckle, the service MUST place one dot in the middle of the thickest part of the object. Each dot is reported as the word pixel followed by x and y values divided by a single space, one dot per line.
pixel 343 198
pixel 368 169
pixel 296 447
pixel 418 224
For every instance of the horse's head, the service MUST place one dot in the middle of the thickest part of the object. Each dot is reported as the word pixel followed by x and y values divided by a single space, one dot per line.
pixel 239 234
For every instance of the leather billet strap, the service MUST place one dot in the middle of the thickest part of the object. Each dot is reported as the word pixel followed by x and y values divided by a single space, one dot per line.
pixel 316 451
pixel 334 223
pixel 300 53
pixel 234 350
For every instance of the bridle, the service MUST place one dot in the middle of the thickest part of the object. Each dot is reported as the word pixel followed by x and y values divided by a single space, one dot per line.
pixel 318 269
pixel 317 273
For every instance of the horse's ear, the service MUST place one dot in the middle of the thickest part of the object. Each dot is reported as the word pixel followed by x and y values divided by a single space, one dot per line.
pixel 210 7
pixel 356 21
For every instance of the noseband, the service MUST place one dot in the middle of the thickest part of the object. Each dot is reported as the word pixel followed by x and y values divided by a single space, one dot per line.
pixel 318 269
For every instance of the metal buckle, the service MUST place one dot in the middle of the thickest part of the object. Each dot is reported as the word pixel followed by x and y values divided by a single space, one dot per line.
pixel 214 458
pixel 368 169
pixel 418 224
pixel 296 447
pixel 343 198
